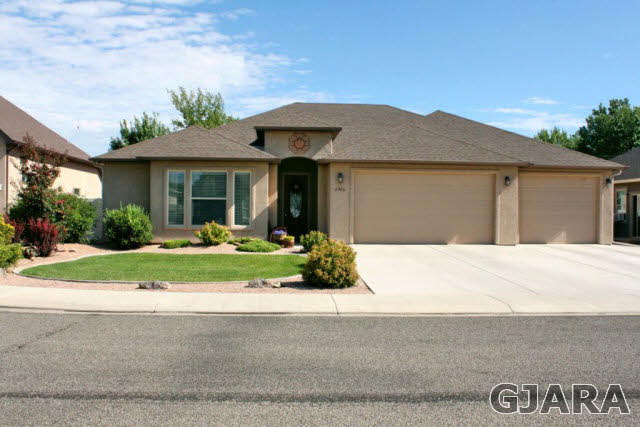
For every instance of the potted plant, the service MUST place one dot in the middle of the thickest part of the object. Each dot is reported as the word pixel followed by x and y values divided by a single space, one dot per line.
pixel 287 241
pixel 277 235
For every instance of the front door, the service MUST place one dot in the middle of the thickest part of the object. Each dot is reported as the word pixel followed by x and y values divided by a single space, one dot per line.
pixel 635 215
pixel 296 204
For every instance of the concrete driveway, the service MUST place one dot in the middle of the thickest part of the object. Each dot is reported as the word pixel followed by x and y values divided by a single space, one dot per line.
pixel 526 278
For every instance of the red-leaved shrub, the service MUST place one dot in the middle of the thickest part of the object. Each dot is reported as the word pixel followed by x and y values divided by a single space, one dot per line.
pixel 44 235
pixel 18 229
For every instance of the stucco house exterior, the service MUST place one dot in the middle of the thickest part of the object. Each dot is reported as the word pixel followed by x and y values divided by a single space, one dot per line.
pixel 78 175
pixel 365 174
pixel 627 197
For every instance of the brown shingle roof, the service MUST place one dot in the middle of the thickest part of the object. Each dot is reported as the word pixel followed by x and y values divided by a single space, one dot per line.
pixel 192 143
pixel 632 159
pixel 15 123
pixel 372 133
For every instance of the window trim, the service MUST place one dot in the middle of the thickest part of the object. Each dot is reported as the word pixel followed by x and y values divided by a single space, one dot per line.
pixel 615 201
pixel 251 198
pixel 166 199
pixel 191 198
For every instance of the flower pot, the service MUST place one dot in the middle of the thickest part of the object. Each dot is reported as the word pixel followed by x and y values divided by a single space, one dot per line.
pixel 287 243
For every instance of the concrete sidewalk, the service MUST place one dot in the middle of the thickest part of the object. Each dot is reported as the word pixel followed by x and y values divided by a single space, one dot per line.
pixel 148 302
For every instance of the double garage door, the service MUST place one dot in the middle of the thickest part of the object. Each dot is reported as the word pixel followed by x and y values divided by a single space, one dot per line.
pixel 447 207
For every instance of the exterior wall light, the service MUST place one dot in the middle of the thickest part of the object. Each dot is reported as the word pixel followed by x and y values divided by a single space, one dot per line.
pixel 507 181
pixel 608 181
pixel 340 177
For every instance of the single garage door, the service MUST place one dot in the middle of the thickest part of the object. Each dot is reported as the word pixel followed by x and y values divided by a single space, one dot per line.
pixel 423 207
pixel 557 208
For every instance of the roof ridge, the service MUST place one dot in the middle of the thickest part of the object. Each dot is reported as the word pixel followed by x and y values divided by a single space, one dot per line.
pixel 471 144
pixel 534 140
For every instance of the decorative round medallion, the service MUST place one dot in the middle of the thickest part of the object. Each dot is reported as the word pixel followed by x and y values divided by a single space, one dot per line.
pixel 299 143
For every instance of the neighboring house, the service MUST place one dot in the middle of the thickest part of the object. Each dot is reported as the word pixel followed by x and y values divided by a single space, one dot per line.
pixel 627 196
pixel 365 174
pixel 78 175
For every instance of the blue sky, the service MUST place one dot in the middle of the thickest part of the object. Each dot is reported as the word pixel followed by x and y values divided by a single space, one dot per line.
pixel 81 66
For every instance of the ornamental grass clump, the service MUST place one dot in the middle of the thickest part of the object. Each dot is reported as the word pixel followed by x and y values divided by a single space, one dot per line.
pixel 331 264
pixel 213 234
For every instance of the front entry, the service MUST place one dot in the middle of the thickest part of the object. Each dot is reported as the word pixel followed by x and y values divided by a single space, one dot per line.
pixel 297 195
pixel 296 204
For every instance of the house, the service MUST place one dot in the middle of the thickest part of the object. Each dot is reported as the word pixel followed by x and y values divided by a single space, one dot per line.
pixel 627 196
pixel 365 174
pixel 78 175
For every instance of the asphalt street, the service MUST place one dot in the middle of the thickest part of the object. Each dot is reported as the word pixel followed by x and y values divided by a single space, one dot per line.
pixel 270 370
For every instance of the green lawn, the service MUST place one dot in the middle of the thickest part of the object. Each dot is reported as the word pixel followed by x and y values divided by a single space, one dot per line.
pixel 172 268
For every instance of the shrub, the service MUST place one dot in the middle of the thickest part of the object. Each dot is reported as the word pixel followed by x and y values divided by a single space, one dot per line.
pixel 213 234
pixel 18 228
pixel 173 244
pixel 128 227
pixel 76 216
pixel 331 264
pixel 241 240
pixel 6 232
pixel 308 241
pixel 258 245
pixel 9 254
pixel 44 235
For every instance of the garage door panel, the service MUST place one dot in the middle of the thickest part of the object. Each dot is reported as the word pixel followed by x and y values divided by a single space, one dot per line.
pixel 423 208
pixel 557 209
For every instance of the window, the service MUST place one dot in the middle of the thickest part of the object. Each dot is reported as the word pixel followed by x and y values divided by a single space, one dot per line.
pixel 175 198
pixel 208 197
pixel 621 205
pixel 76 191
pixel 621 201
pixel 242 198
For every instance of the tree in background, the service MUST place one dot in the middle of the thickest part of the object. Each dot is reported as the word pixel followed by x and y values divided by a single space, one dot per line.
pixel 199 108
pixel 558 137
pixel 611 131
pixel 140 129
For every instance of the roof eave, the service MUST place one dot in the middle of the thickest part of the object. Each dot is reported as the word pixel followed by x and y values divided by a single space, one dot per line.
pixel 173 158
pixel 426 162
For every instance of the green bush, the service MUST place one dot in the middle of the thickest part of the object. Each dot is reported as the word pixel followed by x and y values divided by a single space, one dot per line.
pixel 331 264
pixel 213 234
pixel 173 244
pixel 76 216
pixel 9 254
pixel 257 245
pixel 6 232
pixel 128 227
pixel 242 240
pixel 308 241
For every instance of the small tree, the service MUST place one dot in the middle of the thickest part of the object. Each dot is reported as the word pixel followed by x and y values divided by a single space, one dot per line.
pixel 558 137
pixel 140 129
pixel 199 108
pixel 39 169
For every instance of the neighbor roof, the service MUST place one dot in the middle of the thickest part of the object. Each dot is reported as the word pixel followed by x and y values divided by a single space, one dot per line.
pixel 16 123
pixel 373 133
pixel 632 159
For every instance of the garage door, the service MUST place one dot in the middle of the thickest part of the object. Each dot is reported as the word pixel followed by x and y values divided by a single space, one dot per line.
pixel 557 208
pixel 423 207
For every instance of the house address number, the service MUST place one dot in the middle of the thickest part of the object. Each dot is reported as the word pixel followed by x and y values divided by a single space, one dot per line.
pixel 339 189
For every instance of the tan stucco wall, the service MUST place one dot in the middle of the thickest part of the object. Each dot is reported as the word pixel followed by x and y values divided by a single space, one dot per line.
pixel 124 183
pixel 277 143
pixel 273 195
pixel 323 191
pixel 3 174
pixel 72 175
pixel 339 204
pixel 259 198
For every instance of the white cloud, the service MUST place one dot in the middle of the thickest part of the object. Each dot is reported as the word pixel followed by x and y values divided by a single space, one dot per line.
pixel 257 104
pixel 539 101
pixel 81 67
pixel 533 123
